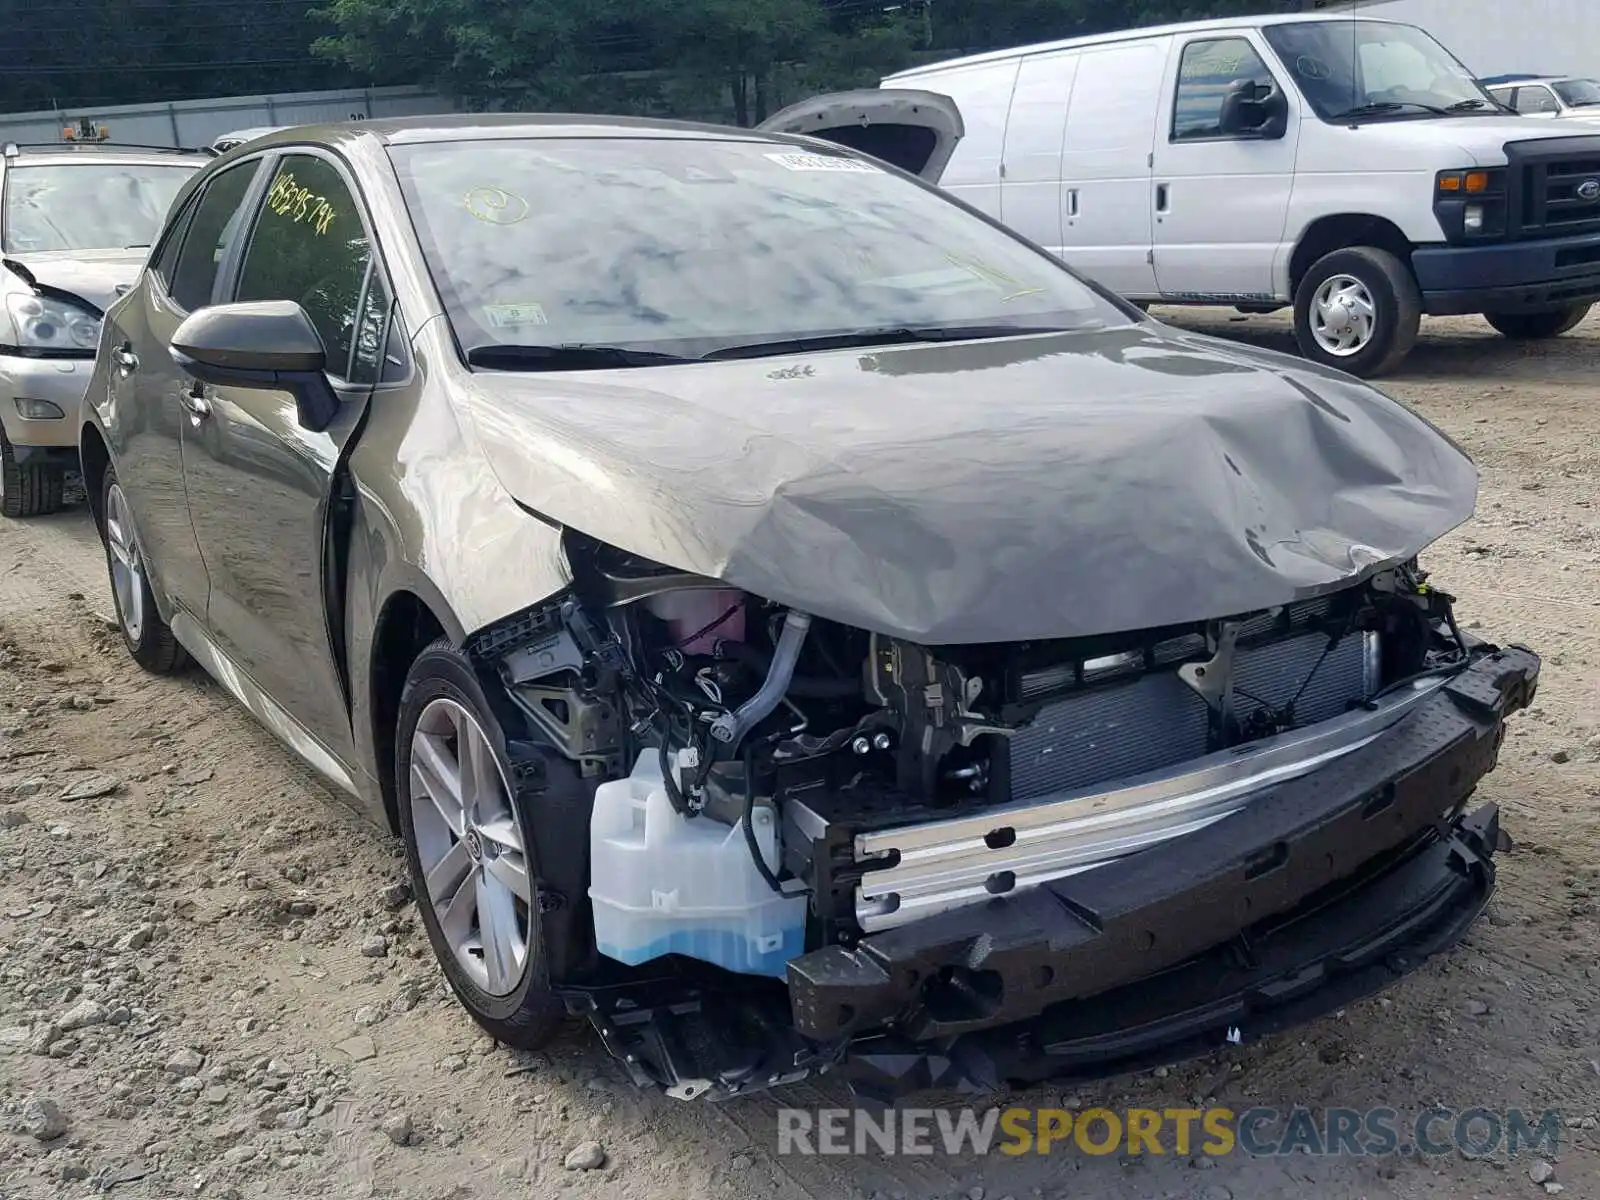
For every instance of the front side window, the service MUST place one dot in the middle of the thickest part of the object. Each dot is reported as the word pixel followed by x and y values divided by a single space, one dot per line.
pixel 1536 99
pixel 1210 75
pixel 1579 93
pixel 1375 70
pixel 88 205
pixel 310 246
pixel 688 246
pixel 211 231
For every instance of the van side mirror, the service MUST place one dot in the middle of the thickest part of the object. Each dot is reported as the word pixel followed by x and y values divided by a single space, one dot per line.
pixel 267 344
pixel 1255 110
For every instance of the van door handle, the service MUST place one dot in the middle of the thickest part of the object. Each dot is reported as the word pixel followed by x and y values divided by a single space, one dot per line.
pixel 1163 198
pixel 1072 202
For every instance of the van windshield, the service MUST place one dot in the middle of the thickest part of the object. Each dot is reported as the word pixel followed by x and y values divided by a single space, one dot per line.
pixel 1376 70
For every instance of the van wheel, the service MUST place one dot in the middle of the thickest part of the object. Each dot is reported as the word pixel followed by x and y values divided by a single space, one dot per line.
pixel 34 488
pixel 1535 326
pixel 1358 310
pixel 473 867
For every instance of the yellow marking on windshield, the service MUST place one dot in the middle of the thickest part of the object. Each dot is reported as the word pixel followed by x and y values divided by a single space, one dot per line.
pixel 496 206
pixel 994 275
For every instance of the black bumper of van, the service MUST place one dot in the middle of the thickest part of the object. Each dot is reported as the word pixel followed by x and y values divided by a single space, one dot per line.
pixel 1509 277
pixel 1376 836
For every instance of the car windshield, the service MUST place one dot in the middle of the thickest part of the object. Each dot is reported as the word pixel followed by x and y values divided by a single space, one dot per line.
pixel 1376 70
pixel 88 205
pixel 685 246
pixel 1579 93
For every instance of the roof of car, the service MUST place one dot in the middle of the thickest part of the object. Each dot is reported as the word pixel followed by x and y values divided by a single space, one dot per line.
pixel 1130 35
pixel 455 127
pixel 105 152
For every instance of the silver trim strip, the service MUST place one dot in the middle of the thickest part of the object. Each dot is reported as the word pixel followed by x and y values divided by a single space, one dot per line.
pixel 949 864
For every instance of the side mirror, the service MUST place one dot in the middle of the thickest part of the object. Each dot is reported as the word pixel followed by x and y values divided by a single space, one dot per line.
pixel 1251 110
pixel 268 344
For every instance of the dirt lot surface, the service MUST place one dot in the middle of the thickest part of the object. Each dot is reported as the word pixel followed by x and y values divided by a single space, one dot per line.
pixel 208 974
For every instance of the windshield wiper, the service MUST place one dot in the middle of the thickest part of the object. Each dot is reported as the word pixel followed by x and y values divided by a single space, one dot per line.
pixel 1461 106
pixel 895 335
pixel 574 356
pixel 1378 108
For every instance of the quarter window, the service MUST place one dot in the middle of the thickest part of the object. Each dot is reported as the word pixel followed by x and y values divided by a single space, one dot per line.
pixel 1207 74
pixel 211 232
pixel 311 247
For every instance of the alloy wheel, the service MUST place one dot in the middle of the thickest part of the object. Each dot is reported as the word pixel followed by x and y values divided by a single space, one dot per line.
pixel 470 846
pixel 127 566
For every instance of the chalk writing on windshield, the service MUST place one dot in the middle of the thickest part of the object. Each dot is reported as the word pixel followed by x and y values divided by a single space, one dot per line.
pixel 289 199
pixel 496 205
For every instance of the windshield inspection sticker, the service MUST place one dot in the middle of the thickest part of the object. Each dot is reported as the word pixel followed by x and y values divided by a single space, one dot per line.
pixel 515 316
pixel 496 206
pixel 822 162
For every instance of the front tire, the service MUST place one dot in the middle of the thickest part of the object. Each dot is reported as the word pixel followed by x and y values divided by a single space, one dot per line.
pixel 1358 310
pixel 470 858
pixel 1536 326
pixel 148 638
pixel 34 488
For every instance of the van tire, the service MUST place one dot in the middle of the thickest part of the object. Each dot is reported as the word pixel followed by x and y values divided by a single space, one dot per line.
pixel 1387 284
pixel 34 488
pixel 1536 326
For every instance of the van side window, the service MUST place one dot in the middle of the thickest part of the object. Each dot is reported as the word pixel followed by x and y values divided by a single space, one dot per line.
pixel 1537 99
pixel 1208 73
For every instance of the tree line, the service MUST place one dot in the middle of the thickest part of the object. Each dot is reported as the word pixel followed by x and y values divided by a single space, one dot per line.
pixel 724 60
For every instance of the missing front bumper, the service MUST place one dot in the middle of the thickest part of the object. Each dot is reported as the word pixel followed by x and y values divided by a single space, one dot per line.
pixel 1325 889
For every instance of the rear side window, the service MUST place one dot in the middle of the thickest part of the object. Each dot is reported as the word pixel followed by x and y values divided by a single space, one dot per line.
pixel 1208 72
pixel 311 247
pixel 166 260
pixel 211 231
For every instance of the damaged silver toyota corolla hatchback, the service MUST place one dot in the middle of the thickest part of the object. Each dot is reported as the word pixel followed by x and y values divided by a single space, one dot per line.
pixel 789 619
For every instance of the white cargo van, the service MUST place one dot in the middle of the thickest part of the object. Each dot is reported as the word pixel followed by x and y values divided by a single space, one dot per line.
pixel 1349 167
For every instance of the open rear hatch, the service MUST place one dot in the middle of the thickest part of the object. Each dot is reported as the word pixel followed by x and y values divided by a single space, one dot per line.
pixel 915 131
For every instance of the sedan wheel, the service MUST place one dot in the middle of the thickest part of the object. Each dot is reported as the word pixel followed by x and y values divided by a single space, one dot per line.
pixel 148 637
pixel 34 488
pixel 473 865
pixel 470 846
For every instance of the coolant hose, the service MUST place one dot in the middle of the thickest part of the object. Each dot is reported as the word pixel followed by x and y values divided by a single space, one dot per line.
pixel 730 728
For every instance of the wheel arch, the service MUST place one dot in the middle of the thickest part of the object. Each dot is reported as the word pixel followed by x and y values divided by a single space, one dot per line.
pixel 1339 231
pixel 407 623
pixel 94 458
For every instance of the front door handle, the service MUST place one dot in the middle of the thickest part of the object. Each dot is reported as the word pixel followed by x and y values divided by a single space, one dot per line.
pixel 194 400
pixel 1163 198
pixel 127 361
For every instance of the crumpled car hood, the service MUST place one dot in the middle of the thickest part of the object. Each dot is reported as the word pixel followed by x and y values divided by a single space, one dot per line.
pixel 93 275
pixel 1056 485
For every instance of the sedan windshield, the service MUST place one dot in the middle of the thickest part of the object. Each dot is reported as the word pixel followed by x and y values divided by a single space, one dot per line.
pixel 1579 93
pixel 686 247
pixel 1376 70
pixel 88 205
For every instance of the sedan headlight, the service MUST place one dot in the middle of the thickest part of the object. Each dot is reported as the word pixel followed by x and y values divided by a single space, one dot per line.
pixel 50 324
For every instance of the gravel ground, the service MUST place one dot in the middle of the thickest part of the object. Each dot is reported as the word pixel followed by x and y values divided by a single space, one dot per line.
pixel 213 984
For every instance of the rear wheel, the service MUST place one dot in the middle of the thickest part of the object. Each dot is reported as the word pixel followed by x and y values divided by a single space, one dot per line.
pixel 149 639
pixel 33 488
pixel 1358 310
pixel 467 846
pixel 1536 326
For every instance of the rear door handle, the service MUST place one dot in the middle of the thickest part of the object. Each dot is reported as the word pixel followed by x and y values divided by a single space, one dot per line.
pixel 194 400
pixel 1163 198
pixel 127 361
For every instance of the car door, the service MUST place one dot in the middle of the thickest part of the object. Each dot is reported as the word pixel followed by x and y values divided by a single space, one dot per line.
pixel 1221 199
pixel 1105 164
pixel 1536 100
pixel 147 386
pixel 258 482
pixel 1032 199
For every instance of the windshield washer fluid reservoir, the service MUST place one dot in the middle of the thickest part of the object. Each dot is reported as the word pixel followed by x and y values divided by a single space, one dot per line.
pixel 662 883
